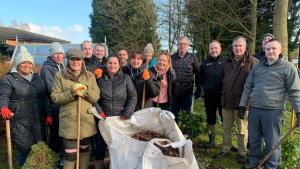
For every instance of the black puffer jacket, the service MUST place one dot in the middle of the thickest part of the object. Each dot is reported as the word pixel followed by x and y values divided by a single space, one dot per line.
pixel 210 75
pixel 28 101
pixel 117 96
pixel 185 68
pixel 172 86
pixel 260 55
pixel 152 86
pixel 92 63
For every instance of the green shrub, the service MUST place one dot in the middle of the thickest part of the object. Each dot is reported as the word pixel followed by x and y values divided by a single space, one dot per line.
pixel 290 151
pixel 193 123
pixel 41 157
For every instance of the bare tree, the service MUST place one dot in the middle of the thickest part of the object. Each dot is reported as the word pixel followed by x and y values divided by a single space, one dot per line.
pixel 19 25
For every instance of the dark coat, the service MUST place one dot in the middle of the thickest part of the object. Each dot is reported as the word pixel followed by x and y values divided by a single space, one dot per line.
pixel 28 101
pixel 185 68
pixel 152 86
pixel 92 63
pixel 233 80
pixel 49 69
pixel 117 96
pixel 260 55
pixel 172 86
pixel 210 75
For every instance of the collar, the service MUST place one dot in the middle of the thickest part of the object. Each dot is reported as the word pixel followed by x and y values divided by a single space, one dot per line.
pixel 265 61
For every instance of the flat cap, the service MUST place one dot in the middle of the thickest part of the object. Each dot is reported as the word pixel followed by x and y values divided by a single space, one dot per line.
pixel 75 53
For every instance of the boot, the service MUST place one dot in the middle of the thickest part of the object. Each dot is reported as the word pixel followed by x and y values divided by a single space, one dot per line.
pixel 84 159
pixel 69 164
pixel 98 164
pixel 212 136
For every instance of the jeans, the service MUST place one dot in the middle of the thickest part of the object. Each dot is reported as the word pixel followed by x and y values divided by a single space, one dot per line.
pixel 183 102
pixel 55 142
pixel 22 158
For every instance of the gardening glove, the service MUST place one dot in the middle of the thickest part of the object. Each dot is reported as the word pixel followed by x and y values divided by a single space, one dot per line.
pixel 102 115
pixel 6 113
pixel 146 75
pixel 197 93
pixel 241 112
pixel 160 77
pixel 49 121
pixel 298 119
pixel 77 87
pixel 122 117
pixel 98 73
pixel 81 93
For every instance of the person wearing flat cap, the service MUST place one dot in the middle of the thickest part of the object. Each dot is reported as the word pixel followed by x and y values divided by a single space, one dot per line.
pixel 22 93
pixel 69 84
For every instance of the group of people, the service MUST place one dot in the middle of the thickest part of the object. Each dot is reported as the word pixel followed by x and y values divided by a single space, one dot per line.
pixel 250 90
pixel 114 85
pixel 242 88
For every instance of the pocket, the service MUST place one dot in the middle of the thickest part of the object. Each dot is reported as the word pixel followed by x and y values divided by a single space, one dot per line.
pixel 64 113
pixel 64 121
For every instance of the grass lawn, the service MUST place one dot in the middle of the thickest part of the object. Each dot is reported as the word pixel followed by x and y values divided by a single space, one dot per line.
pixel 205 157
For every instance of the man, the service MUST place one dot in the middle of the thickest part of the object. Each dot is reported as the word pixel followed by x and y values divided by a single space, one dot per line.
pixel 261 54
pixel 91 61
pixel 185 65
pixel 234 73
pixel 99 52
pixel 122 53
pixel 210 78
pixel 49 69
pixel 266 86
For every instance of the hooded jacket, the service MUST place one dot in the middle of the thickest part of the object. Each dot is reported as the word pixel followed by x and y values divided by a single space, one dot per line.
pixel 49 69
pixel 29 103
pixel 152 85
pixel 152 63
pixel 117 96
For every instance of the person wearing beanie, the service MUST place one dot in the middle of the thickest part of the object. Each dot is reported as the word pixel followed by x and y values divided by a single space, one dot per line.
pixel 50 68
pixel 22 93
pixel 68 85
pixel 261 54
pixel 149 52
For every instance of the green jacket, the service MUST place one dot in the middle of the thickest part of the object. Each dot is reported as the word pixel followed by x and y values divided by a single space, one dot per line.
pixel 62 95
pixel 267 86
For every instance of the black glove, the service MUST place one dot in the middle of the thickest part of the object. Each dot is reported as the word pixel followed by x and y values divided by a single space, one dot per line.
pixel 241 113
pixel 197 93
pixel 298 119
pixel 160 77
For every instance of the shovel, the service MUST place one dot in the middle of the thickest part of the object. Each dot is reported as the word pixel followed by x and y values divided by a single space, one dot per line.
pixel 9 154
pixel 281 141
pixel 143 99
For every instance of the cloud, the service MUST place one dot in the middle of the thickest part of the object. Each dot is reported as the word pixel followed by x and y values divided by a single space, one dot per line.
pixel 57 32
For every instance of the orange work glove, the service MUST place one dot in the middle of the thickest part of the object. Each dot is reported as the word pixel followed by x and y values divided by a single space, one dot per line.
pixel 122 117
pixel 102 115
pixel 77 87
pixel 6 113
pixel 98 73
pixel 146 74
pixel 49 121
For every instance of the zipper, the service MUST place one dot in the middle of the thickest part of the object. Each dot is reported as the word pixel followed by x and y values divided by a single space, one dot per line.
pixel 111 101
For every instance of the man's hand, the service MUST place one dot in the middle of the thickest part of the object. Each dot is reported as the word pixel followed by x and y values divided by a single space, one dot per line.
pixel 298 119
pixel 98 73
pixel 49 121
pixel 77 87
pixel 6 113
pixel 241 113
pixel 146 74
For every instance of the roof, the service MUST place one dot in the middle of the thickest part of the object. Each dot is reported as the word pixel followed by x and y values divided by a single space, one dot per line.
pixel 10 33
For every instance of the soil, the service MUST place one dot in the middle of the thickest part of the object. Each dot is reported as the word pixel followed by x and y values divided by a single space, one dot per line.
pixel 149 135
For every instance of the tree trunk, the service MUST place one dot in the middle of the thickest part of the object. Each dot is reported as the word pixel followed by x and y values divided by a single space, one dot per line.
pixel 253 24
pixel 170 28
pixel 280 24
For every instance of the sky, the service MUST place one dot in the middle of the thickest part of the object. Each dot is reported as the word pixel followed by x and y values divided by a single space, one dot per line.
pixel 63 19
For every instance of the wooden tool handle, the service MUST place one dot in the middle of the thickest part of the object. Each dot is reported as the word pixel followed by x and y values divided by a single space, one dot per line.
pixel 143 99
pixel 78 132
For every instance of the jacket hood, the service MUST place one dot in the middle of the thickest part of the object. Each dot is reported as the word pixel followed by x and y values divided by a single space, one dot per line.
pixel 51 62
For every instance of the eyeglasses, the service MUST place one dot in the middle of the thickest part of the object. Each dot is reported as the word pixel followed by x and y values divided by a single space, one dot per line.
pixel 183 44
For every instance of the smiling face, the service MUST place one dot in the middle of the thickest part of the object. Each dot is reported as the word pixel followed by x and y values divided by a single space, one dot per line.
pixel 99 52
pixel 148 55
pixel 112 65
pixel 87 49
pixel 137 61
pixel 273 49
pixel 25 68
pixel 75 64
pixel 58 58
pixel 182 46
pixel 123 57
pixel 239 48
pixel 214 50
pixel 162 62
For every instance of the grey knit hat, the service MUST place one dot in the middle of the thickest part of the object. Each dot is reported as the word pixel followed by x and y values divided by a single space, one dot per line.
pixel 55 47
pixel 267 34
pixel 150 48
pixel 23 56
pixel 75 53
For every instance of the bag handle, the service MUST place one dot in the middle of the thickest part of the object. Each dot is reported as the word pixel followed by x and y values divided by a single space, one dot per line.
pixel 172 144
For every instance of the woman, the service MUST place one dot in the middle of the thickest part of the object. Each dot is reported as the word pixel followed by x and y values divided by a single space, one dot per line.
pixel 140 76
pixel 118 97
pixel 22 92
pixel 149 52
pixel 69 84
pixel 168 88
